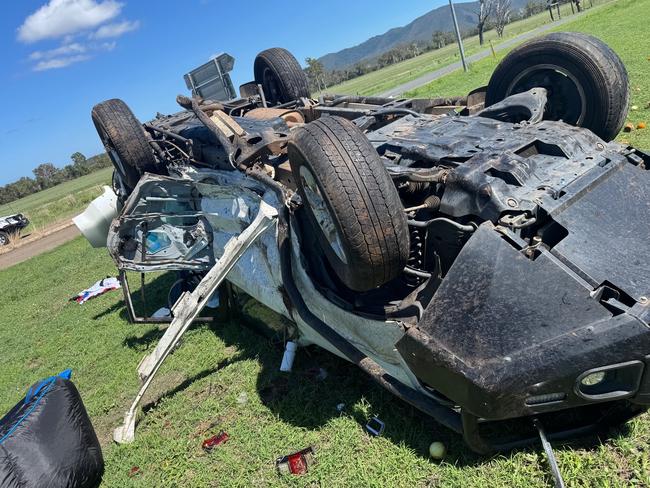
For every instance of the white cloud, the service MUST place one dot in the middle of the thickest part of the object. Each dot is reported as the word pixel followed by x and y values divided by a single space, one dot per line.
pixel 115 30
pixel 55 63
pixel 68 54
pixel 74 48
pixel 107 46
pixel 59 18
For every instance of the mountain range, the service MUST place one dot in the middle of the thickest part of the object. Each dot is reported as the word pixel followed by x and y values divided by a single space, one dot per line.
pixel 420 29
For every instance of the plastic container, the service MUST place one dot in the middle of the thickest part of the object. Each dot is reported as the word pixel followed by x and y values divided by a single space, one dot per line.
pixel 289 356
pixel 95 221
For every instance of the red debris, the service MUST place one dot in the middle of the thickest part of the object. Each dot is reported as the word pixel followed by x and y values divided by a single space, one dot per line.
pixel 212 442
pixel 134 471
pixel 296 463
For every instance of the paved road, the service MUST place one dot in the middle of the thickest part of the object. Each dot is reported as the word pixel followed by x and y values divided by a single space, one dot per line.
pixel 39 246
pixel 424 79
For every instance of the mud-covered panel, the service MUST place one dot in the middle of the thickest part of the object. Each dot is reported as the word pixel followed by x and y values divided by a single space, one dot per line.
pixel 609 232
pixel 495 302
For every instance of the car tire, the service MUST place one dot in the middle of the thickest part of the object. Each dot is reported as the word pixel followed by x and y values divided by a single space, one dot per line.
pixel 587 82
pixel 349 202
pixel 4 239
pixel 125 140
pixel 281 77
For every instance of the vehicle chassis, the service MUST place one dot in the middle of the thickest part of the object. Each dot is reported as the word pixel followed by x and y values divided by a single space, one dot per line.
pixel 243 149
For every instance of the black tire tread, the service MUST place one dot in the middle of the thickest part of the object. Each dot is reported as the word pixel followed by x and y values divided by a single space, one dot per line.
pixel 362 196
pixel 125 132
pixel 291 77
pixel 586 52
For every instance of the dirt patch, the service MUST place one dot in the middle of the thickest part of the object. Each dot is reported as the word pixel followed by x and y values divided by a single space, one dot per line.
pixel 33 247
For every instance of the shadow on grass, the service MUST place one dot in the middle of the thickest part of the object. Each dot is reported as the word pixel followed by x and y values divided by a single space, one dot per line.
pixel 186 383
pixel 307 398
pixel 304 399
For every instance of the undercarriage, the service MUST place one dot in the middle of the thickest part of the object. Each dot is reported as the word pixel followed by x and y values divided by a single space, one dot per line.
pixel 481 261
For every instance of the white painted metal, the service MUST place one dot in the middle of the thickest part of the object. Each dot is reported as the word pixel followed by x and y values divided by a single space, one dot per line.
pixel 188 308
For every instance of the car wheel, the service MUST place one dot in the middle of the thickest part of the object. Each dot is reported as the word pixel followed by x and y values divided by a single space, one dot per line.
pixel 4 239
pixel 281 76
pixel 124 139
pixel 586 81
pixel 350 202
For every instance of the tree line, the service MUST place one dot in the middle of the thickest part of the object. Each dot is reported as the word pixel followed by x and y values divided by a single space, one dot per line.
pixel 491 14
pixel 47 175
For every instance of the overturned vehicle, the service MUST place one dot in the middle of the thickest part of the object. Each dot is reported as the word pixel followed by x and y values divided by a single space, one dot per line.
pixel 484 258
pixel 10 227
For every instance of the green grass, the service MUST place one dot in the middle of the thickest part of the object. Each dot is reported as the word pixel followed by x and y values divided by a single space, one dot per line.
pixel 622 24
pixel 225 376
pixel 405 71
pixel 60 202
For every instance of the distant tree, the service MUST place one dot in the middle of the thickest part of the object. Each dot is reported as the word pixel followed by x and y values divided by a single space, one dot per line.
pixel 439 39
pixel 315 74
pixel 23 187
pixel 78 158
pixel 79 166
pixel 485 9
pixel 47 175
pixel 534 7
pixel 502 10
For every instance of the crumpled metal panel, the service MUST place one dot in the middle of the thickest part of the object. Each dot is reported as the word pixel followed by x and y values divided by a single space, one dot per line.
pixel 494 302
pixel 609 232
pixel 374 338
pixel 229 201
pixel 497 166
pixel 502 327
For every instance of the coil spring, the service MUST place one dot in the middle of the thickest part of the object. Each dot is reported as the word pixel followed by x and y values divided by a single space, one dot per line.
pixel 416 255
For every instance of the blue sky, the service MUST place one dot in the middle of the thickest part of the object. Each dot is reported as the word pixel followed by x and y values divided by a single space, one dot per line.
pixel 60 57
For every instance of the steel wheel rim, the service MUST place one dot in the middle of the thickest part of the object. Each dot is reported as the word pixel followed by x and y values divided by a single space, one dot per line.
pixel 270 85
pixel 321 212
pixel 566 96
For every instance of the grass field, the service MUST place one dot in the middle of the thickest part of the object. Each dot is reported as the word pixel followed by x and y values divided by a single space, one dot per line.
pixel 225 376
pixel 405 71
pixel 622 24
pixel 61 202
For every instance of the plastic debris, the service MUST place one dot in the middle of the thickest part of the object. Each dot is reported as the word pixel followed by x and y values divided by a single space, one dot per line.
pixel 214 301
pixel 289 356
pixel 340 407
pixel 242 399
pixel 162 313
pixel 319 374
pixel 99 288
pixel 634 107
pixel 375 427
pixel 641 125
pixel 437 450
pixel 214 441
pixel 297 463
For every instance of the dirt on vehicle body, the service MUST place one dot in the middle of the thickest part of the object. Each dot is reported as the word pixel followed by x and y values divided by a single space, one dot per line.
pixel 481 257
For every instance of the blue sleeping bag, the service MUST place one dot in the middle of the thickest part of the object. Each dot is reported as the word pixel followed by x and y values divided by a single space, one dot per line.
pixel 47 439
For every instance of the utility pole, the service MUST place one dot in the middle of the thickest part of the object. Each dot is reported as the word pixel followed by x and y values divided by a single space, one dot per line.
pixel 458 38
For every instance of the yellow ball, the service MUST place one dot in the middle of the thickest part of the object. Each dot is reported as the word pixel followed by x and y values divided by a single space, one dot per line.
pixel 437 450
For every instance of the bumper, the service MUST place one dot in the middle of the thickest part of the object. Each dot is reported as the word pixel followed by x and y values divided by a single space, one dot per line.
pixel 506 336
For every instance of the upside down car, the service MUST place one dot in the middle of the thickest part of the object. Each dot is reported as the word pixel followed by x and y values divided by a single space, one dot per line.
pixel 484 258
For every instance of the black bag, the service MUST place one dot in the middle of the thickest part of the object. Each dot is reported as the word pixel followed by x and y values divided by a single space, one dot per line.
pixel 47 439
